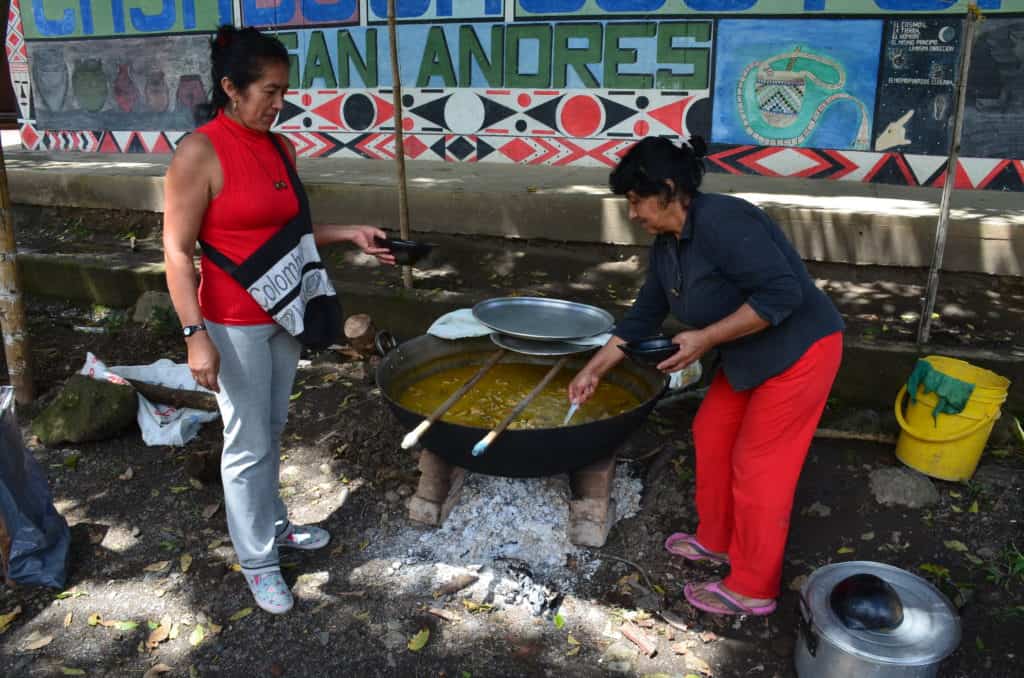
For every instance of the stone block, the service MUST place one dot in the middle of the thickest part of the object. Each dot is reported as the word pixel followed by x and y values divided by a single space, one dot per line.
pixel 590 520
pixel 594 480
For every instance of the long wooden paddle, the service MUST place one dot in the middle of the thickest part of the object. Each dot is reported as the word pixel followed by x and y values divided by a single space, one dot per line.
pixel 413 436
pixel 484 442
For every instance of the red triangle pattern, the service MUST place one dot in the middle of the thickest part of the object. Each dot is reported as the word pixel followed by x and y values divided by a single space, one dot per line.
pixel 672 116
pixel 385 111
pixel 331 110
pixel 161 145
pixel 109 144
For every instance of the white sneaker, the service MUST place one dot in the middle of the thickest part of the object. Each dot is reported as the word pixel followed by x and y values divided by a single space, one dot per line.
pixel 305 537
pixel 270 591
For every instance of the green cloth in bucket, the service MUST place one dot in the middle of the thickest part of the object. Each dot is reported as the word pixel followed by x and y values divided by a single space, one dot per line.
pixel 953 393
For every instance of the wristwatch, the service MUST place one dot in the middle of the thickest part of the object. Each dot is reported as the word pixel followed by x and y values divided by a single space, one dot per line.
pixel 189 330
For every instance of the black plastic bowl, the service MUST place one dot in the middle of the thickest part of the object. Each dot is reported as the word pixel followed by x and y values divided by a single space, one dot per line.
pixel 407 252
pixel 650 351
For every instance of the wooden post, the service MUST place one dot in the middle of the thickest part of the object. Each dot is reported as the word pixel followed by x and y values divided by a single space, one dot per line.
pixel 403 197
pixel 932 288
pixel 12 310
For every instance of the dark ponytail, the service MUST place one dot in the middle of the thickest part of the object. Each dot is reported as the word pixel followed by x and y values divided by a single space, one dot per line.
pixel 652 160
pixel 240 55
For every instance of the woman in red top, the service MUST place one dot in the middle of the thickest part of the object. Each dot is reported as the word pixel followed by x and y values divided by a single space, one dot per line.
pixel 228 186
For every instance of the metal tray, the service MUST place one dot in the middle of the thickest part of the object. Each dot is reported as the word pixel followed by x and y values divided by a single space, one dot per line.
pixel 540 318
pixel 538 347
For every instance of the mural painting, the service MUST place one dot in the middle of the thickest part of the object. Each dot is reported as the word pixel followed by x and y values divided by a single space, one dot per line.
pixel 994 114
pixel 134 83
pixel 917 91
pixel 808 8
pixel 857 90
pixel 64 19
pixel 796 83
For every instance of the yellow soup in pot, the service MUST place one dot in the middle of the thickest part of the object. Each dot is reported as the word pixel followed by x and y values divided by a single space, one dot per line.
pixel 503 387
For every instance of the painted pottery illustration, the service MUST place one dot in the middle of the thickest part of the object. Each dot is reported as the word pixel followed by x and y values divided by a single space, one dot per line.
pixel 782 98
pixel 191 93
pixel 51 82
pixel 89 85
pixel 126 93
pixel 158 97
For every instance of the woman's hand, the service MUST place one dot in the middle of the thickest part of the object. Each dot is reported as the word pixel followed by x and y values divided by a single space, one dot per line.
pixel 362 237
pixel 203 360
pixel 583 386
pixel 692 345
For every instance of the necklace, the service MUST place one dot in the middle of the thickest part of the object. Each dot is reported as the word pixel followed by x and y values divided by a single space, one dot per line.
pixel 279 184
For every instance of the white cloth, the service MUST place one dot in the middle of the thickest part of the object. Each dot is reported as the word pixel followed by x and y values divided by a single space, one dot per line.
pixel 160 424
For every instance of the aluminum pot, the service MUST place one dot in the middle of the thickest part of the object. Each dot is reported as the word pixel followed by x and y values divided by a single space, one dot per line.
pixel 828 648
pixel 516 453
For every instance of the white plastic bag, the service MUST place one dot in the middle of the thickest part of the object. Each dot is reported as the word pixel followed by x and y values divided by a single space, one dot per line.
pixel 160 424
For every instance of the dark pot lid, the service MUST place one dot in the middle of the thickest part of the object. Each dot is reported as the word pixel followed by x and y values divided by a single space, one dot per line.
pixel 929 632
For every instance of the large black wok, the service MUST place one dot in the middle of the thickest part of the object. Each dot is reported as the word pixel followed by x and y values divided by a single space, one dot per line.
pixel 522 453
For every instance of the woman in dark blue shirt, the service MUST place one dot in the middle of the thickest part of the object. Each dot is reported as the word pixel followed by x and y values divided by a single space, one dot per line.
pixel 725 270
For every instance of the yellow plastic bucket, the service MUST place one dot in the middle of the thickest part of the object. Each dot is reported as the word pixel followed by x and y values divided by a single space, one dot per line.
pixel 950 447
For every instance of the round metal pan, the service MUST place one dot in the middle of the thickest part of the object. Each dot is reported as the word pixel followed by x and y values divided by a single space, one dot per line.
pixel 537 347
pixel 544 319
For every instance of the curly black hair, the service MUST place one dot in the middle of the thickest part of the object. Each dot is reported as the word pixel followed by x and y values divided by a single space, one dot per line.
pixel 652 161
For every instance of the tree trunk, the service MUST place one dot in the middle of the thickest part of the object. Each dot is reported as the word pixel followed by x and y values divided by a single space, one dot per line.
pixel 175 397
pixel 12 309
pixel 360 333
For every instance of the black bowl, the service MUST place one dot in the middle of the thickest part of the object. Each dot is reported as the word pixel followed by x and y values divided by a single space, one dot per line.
pixel 650 351
pixel 407 252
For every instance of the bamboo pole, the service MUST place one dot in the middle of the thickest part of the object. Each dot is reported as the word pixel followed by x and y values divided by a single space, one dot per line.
pixel 12 309
pixel 932 287
pixel 403 197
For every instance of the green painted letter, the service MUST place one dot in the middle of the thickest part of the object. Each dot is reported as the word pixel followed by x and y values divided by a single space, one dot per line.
pixel 318 62
pixel 291 42
pixel 615 56
pixel 437 60
pixel 577 57
pixel 349 57
pixel 698 57
pixel 471 50
pixel 514 35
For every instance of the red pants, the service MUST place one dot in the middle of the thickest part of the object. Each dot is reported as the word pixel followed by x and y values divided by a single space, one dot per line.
pixel 751 446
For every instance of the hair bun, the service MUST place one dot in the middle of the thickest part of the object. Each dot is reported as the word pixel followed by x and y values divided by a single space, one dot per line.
pixel 699 146
pixel 225 34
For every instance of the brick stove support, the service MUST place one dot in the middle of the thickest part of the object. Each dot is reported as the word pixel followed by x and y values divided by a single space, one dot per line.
pixel 592 509
pixel 439 488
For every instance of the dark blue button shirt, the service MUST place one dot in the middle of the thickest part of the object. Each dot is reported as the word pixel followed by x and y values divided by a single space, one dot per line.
pixel 730 253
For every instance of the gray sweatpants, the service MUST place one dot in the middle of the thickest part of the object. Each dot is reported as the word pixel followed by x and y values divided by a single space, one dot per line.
pixel 257 371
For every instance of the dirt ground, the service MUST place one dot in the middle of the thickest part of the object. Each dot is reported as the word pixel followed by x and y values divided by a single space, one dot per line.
pixel 342 468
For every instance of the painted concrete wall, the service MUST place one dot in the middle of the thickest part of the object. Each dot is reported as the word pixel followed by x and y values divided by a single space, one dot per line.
pixel 857 90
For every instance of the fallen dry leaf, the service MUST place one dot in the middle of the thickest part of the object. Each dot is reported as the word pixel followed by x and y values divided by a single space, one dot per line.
pixel 241 614
pixel 71 671
pixel 197 635
pixel 175 630
pixel 456 584
pixel 573 651
pixel 6 619
pixel 185 562
pixel 697 664
pixel 127 475
pixel 156 670
pixel 679 648
pixel 417 642
pixel 707 636
pixel 157 636
pixel 195 483
pixel 210 510
pixel 956 545
pixel 36 641
pixel 94 619
pixel 443 614
pixel 67 619
pixel 158 566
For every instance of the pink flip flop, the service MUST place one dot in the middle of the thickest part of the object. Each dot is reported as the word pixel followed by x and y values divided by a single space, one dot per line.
pixel 729 604
pixel 691 540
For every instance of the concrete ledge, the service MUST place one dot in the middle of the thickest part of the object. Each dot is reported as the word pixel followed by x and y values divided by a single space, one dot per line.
pixel 871 373
pixel 831 221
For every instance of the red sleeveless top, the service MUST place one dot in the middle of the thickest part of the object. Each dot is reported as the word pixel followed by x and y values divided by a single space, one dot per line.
pixel 243 216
